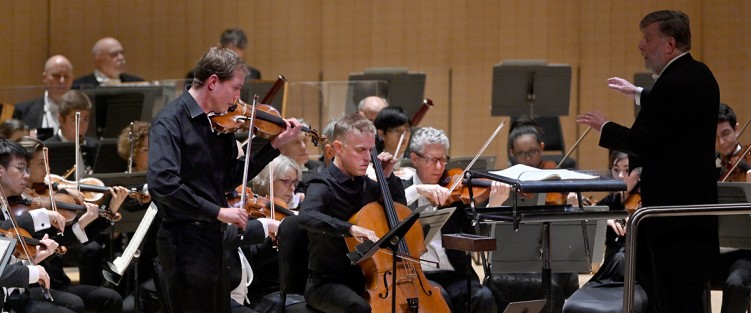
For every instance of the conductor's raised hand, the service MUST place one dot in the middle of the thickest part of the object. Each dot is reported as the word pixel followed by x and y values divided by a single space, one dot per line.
pixel 594 119
pixel 623 86
pixel 237 216
pixel 388 162
pixel 362 233
pixel 289 134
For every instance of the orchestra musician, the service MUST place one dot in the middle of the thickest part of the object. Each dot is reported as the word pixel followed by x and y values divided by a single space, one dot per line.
pixel 190 169
pixel 262 259
pixel 370 106
pixel 92 297
pixel 13 179
pixel 735 264
pixel 42 112
pixel 334 284
pixel 727 146
pixel 429 148
pixel 72 102
pixel 671 139
pixel 327 156
pixel 109 59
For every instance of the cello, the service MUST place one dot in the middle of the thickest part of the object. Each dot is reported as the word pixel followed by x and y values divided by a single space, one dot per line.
pixel 412 292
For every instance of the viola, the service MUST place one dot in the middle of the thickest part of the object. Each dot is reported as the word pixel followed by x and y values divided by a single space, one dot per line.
pixel 413 291
pixel 734 168
pixel 267 123
pixel 24 242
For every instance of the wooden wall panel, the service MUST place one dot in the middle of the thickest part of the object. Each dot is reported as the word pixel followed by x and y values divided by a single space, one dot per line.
pixel 23 43
pixel 455 43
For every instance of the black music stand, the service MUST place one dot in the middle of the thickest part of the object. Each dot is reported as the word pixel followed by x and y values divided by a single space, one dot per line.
pixel 390 241
pixel 734 229
pixel 531 87
pixel 116 106
pixel 547 214
pixel 7 245
pixel 261 87
pixel 400 88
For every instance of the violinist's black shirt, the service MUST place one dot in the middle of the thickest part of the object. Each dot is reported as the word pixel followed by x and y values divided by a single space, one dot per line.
pixel 190 166
pixel 330 200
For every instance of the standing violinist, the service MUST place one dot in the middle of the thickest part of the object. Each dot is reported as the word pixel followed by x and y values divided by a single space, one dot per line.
pixel 334 284
pixel 190 169
pixel 429 148
pixel 728 148
pixel 671 134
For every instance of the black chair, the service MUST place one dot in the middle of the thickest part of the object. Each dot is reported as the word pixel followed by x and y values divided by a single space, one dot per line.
pixel 161 287
pixel 293 263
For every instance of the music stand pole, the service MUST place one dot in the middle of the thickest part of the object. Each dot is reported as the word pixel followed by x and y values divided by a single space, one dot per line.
pixel 136 293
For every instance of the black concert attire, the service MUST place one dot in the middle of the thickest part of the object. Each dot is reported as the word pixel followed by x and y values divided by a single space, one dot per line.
pixel 18 275
pixel 90 80
pixel 190 169
pixel 452 277
pixel 254 234
pixel 335 285
pixel 678 117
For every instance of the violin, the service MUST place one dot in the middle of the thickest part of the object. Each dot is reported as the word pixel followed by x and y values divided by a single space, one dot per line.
pixel 632 202
pixel 258 206
pixel 268 121
pixel 68 205
pixel 480 187
pixel 92 188
pixel 734 168
pixel 26 242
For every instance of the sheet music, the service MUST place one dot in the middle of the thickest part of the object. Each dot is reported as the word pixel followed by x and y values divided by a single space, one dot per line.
pixel 435 219
pixel 527 173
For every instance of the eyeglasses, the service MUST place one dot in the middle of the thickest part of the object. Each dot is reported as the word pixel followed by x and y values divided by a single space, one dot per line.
pixel 526 154
pixel 399 130
pixel 432 160
pixel 22 168
pixel 289 182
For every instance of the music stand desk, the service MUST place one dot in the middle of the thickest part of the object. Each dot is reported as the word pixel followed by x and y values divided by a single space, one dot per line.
pixel 547 214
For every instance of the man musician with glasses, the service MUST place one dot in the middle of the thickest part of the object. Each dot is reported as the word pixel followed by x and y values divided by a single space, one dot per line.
pixel 429 148
pixel 728 148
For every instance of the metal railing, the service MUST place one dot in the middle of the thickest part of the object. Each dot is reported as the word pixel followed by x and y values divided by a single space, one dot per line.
pixel 664 211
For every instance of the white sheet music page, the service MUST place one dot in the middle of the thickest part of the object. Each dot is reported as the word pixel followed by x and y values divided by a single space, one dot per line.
pixel 527 173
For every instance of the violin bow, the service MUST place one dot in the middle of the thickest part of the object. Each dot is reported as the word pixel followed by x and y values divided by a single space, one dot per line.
pixel 399 146
pixel 244 192
pixel 271 190
pixel 477 156
pixel 78 152
pixel 6 210
pixel 744 127
pixel 48 178
pixel 576 144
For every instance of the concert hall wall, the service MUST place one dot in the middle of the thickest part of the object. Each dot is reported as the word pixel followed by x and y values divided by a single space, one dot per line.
pixel 456 43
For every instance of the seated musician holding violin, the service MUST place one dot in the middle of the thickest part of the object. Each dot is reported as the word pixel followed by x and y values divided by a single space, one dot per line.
pixel 13 179
pixel 526 146
pixel 84 221
pixel 334 284
pixel 258 261
pixel 735 264
pixel 429 149
pixel 733 159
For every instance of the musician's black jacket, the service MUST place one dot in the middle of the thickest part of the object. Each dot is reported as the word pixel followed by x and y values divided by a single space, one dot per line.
pixel 330 200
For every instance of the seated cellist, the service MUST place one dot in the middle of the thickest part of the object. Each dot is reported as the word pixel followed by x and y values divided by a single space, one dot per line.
pixel 335 285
